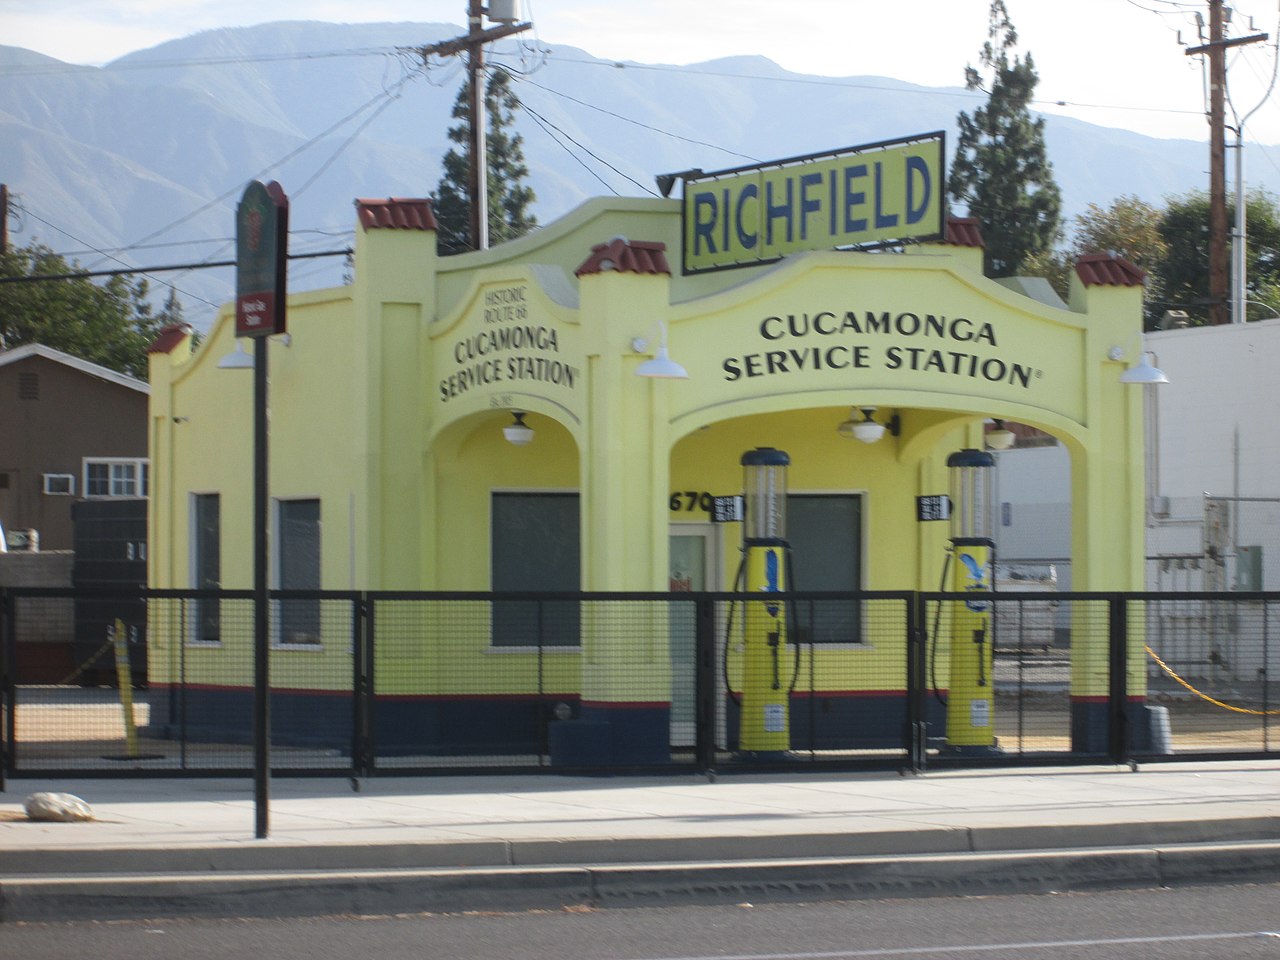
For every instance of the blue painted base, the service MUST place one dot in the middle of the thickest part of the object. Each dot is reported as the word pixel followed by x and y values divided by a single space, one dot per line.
pixel 610 734
pixel 613 735
pixel 840 721
pixel 974 750
pixel 460 726
pixel 1091 726
pixel 225 715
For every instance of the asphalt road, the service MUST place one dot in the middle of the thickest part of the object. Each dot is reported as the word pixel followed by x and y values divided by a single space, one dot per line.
pixel 1206 922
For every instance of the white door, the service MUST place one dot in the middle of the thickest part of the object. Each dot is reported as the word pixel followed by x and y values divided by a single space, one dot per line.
pixel 692 558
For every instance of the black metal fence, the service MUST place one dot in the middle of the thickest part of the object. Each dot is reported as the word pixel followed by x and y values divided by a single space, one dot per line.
pixel 365 683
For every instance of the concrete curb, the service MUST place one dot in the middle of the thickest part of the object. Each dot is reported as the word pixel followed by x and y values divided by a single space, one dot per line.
pixel 611 885
pixel 275 856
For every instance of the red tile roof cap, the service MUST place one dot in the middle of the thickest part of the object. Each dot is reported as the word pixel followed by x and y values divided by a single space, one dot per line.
pixel 626 256
pixel 1108 270
pixel 396 213
pixel 963 232
pixel 169 337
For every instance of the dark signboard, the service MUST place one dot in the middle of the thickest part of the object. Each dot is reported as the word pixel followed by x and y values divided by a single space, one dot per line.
pixel 262 251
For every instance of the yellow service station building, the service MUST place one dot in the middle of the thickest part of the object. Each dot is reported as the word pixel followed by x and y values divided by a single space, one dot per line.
pixel 489 422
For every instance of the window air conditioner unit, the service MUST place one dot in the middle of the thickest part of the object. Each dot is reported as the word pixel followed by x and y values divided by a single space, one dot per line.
pixel 60 484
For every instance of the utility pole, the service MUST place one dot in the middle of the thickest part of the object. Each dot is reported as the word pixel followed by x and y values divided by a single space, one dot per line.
pixel 4 218
pixel 506 12
pixel 1216 49
pixel 1217 168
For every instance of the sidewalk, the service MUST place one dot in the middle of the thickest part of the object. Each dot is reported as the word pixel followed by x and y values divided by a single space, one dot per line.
pixel 185 846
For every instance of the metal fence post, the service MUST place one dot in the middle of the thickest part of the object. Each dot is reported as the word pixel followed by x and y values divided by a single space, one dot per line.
pixel 705 685
pixel 367 694
pixel 8 670
pixel 917 732
pixel 1118 738
pixel 359 682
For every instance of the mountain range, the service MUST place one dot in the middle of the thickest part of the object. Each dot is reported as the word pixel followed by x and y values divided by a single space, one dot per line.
pixel 152 151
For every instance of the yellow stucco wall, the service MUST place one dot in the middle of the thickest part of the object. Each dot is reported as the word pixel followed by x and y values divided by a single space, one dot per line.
pixel 388 406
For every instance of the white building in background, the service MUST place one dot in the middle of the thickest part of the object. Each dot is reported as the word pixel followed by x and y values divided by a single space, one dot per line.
pixel 1213 470
pixel 1213 455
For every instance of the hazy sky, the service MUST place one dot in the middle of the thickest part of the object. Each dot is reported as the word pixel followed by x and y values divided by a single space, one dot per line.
pixel 1114 62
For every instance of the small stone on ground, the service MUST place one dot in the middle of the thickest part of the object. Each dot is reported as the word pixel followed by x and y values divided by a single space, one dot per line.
pixel 57 807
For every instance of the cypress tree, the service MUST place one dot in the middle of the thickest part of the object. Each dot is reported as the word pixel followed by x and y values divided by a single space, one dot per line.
pixel 1001 171
pixel 509 197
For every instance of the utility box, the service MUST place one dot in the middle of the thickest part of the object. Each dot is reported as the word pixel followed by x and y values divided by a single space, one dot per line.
pixel 110 560
pixel 505 11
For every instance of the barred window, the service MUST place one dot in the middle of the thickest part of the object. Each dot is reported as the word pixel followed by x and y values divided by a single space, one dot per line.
pixel 206 564
pixel 535 548
pixel 298 568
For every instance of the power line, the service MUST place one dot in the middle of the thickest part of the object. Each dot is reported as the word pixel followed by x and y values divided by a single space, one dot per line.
pixel 385 93
pixel 835 82
pixel 85 274
pixel 186 293
pixel 584 149
pixel 364 125
pixel 161 64
pixel 638 123
pixel 194 242
pixel 556 140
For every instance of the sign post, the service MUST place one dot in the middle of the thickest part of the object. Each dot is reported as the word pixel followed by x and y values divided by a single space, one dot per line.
pixel 262 252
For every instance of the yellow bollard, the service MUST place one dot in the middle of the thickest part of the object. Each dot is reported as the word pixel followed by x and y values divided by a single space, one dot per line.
pixel 124 678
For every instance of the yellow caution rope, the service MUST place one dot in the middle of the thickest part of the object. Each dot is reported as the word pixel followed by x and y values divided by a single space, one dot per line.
pixel 75 674
pixel 1204 696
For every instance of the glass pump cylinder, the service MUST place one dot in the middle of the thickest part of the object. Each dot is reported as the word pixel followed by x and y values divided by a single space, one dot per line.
pixel 764 478
pixel 972 495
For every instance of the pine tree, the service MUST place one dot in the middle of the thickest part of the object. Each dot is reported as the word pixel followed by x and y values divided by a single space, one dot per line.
pixel 509 197
pixel 1001 171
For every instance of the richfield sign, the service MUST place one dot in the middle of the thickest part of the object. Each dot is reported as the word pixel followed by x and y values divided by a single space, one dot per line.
pixel 863 197
pixel 262 253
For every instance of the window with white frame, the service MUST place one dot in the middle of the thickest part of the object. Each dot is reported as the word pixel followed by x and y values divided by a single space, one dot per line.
pixel 298 568
pixel 107 477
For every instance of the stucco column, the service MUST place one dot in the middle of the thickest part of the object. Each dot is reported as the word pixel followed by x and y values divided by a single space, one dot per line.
pixel 1108 510
pixel 626 669
pixel 393 293
pixel 170 350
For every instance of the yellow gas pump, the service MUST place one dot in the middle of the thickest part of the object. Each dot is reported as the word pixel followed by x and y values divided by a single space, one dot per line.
pixel 971 693
pixel 764 726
